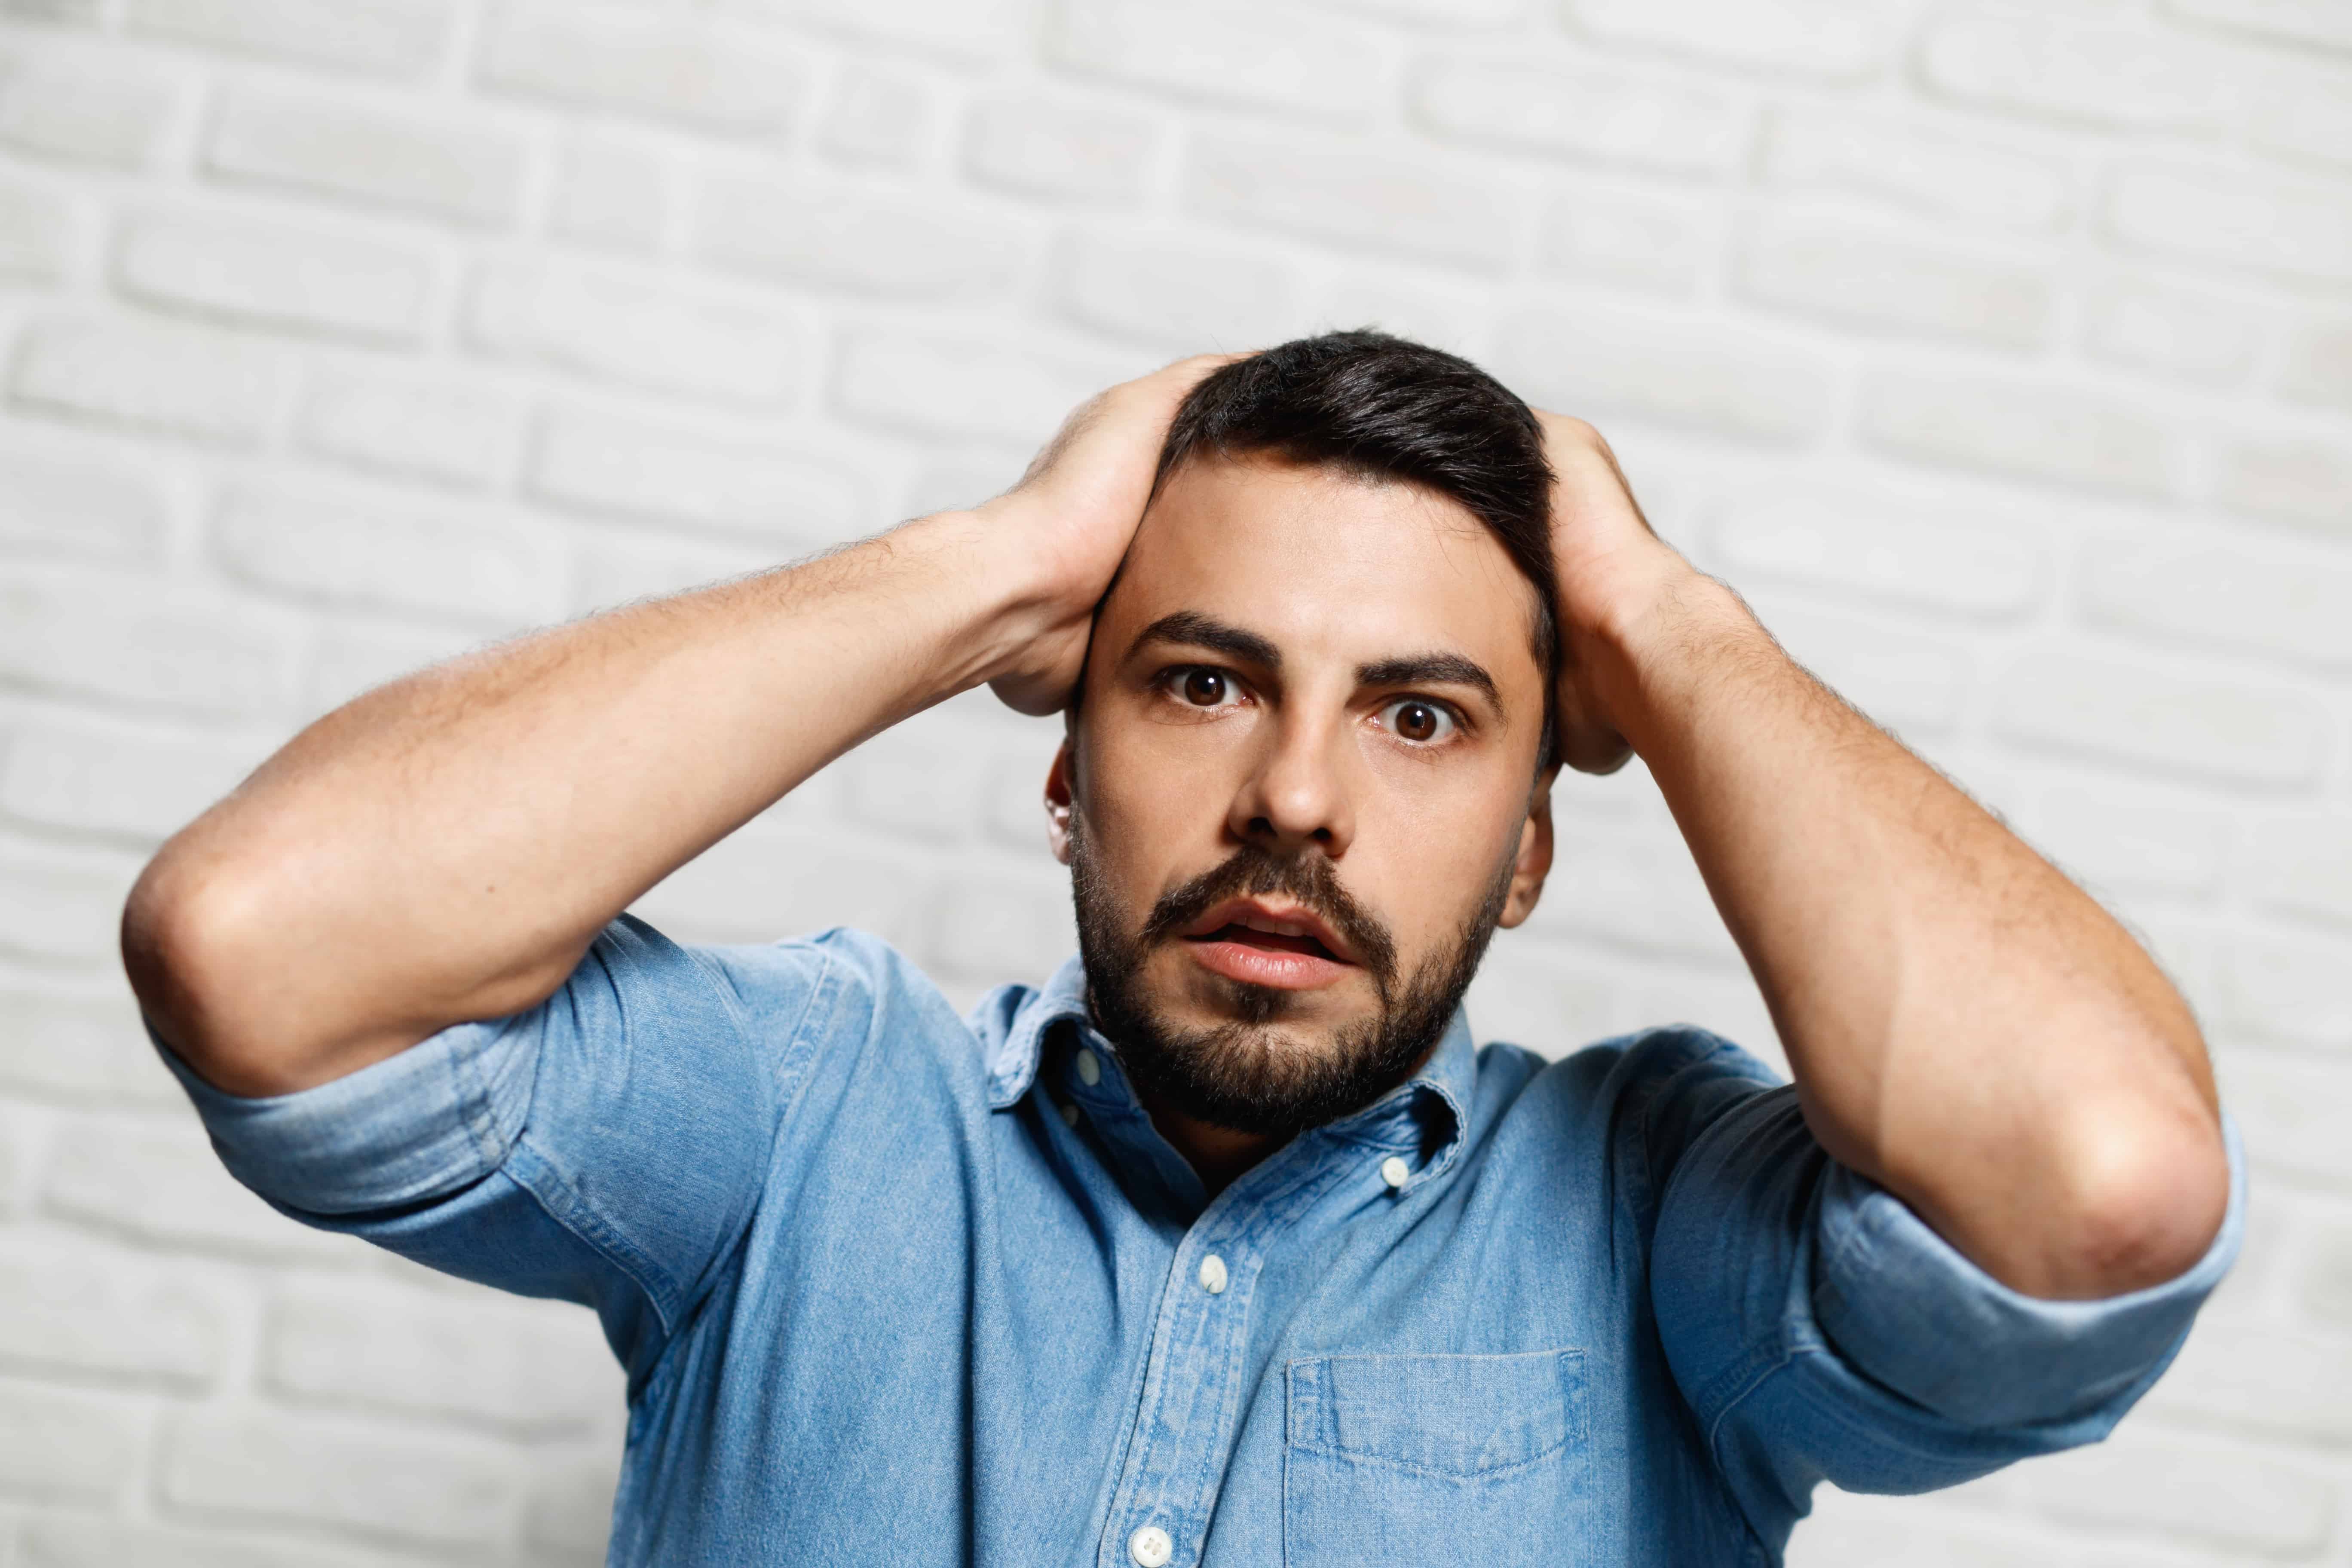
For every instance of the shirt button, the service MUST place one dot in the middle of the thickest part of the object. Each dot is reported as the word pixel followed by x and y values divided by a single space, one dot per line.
pixel 1212 1275
pixel 1069 1116
pixel 1149 1546
pixel 1395 1171
pixel 1089 1067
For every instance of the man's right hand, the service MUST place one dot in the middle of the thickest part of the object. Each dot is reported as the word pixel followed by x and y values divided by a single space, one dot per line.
pixel 1075 512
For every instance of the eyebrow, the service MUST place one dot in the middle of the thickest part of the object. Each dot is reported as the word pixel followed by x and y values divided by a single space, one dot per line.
pixel 1437 669
pixel 1197 630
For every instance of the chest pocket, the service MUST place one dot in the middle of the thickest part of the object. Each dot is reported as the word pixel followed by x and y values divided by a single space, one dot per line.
pixel 1398 1460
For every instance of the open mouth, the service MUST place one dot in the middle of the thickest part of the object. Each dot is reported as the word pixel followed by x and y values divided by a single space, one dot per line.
pixel 1269 941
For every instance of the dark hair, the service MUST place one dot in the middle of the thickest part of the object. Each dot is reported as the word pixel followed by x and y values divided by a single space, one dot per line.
pixel 1382 407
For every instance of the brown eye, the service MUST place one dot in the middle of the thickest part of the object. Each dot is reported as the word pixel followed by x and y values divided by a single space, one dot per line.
pixel 1204 688
pixel 1423 723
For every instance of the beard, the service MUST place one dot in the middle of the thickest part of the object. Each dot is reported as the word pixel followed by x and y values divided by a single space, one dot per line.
pixel 1249 1074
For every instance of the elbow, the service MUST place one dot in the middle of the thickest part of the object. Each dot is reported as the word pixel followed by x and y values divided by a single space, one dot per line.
pixel 188 942
pixel 2148 1196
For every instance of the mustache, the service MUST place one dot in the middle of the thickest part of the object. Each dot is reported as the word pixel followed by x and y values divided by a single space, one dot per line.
pixel 1307 879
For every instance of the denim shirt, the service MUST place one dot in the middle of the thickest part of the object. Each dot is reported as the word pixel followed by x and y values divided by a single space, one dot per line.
pixel 897 1286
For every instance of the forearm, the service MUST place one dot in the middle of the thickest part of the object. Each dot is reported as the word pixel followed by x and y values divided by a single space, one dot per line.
pixel 445 849
pixel 1964 1025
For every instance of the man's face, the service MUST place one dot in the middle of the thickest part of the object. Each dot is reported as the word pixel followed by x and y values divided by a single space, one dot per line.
pixel 1302 788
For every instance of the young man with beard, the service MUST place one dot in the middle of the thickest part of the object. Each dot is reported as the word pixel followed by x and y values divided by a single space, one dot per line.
pixel 1226 1245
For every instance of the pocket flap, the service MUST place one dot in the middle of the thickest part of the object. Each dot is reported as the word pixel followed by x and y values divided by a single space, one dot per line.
pixel 1457 1414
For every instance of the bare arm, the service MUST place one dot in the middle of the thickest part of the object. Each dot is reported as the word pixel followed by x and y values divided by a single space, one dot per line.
pixel 1965 1025
pixel 445 848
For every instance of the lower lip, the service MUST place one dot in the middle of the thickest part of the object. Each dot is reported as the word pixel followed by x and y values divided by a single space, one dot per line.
pixel 1266 966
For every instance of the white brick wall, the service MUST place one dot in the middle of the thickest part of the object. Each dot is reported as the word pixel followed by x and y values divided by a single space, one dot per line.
pixel 2002 351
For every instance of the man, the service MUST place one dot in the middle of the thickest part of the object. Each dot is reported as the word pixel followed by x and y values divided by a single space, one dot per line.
pixel 1226 1245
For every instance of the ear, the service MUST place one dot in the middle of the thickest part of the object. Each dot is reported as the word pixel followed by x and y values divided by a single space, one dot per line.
pixel 1533 863
pixel 1057 803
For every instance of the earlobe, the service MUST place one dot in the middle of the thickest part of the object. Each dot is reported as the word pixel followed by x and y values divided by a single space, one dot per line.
pixel 1533 863
pixel 1057 803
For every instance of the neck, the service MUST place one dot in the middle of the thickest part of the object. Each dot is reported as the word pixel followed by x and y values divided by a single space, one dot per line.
pixel 1218 1156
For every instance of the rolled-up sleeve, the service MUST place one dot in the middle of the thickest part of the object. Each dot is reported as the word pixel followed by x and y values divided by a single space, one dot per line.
pixel 1821 1331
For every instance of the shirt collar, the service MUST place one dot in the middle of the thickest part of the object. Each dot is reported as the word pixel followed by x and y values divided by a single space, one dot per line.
pixel 1427 1113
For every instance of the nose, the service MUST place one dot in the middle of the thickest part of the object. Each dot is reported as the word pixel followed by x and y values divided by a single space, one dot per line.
pixel 1299 789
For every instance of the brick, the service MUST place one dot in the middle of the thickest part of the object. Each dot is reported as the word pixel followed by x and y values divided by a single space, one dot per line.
pixel 1449 15
pixel 2318 366
pixel 2136 715
pixel 2303 866
pixel 1718 378
pixel 1543 998
pixel 1415 209
pixel 67 1447
pixel 1828 41
pixel 352 657
pixel 1882 547
pixel 570 1512
pixel 1638 239
pixel 1445 317
pixel 962 27
pixel 613 191
pixel 958 386
pixel 2290 226
pixel 619 567
pixel 2145 1482
pixel 100 637
pixel 451 163
pixel 1065 148
pixel 2035 428
pixel 1904 680
pixel 2302 114
pixel 1844 1529
pixel 2291 1110
pixel 2290 604
pixel 2133 845
pixel 2186 332
pixel 2291 988
pixel 758 886
pixel 638 61
pixel 1158 287
pixel 81 777
pixel 1917 167
pixel 2261 1378
pixel 67 1307
pixel 66 1542
pixel 2304 482
pixel 921 781
pixel 82 13
pixel 79 1048
pixel 1634 890
pixel 277 275
pixel 440 428
pixel 667 473
pixel 2322 1285
pixel 1007 926
pixel 1267 58
pixel 879 118
pixel 60 907
pixel 840 237
pixel 2320 22
pixel 383 38
pixel 960 479
pixel 65 502
pixel 497 569
pixel 532 1368
pixel 635 330
pixel 185 381
pixel 160 1184
pixel 95 111
pixel 2071 68
pixel 444 1490
pixel 1578 112
pixel 41 232
pixel 1863 275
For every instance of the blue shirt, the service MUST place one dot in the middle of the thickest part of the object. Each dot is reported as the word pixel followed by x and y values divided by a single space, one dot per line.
pixel 897 1286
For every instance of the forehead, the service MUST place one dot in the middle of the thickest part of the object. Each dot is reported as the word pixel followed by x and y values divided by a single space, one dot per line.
pixel 1319 560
